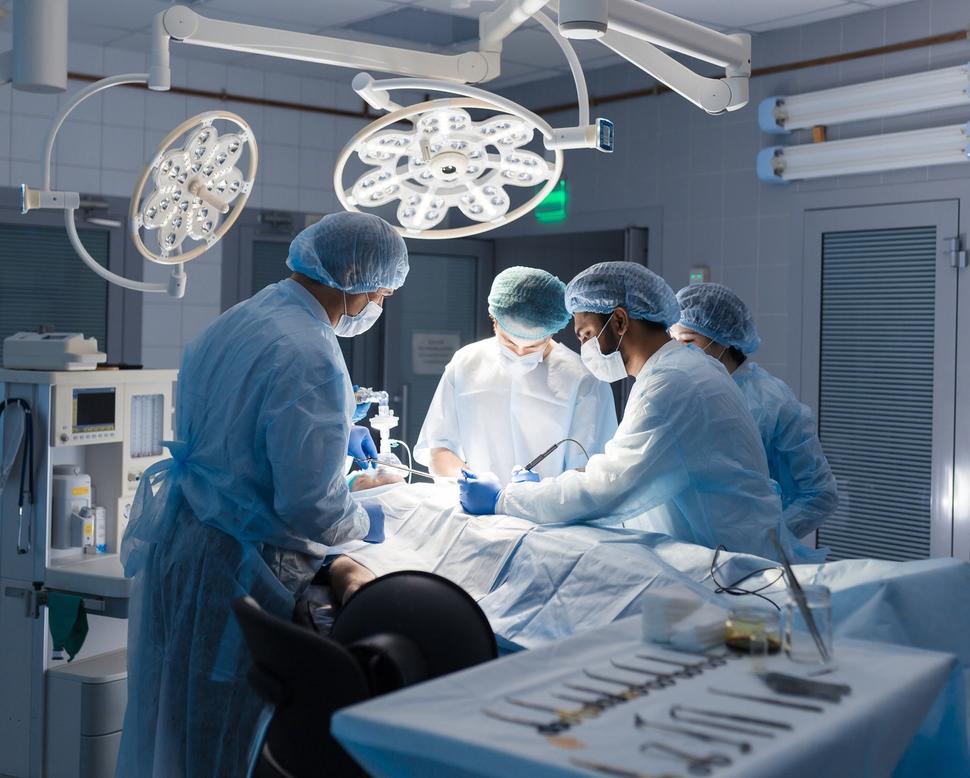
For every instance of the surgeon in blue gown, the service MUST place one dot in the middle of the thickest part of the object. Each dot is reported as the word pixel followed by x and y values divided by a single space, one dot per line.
pixel 252 498
pixel 686 460
pixel 716 320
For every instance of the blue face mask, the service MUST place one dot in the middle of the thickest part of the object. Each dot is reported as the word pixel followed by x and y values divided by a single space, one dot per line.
pixel 348 326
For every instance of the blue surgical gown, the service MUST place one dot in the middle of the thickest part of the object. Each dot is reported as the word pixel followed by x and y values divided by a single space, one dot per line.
pixel 809 494
pixel 251 499
pixel 686 461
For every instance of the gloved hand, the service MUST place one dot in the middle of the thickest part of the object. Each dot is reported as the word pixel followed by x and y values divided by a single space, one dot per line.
pixel 376 515
pixel 478 493
pixel 360 413
pixel 361 447
pixel 520 475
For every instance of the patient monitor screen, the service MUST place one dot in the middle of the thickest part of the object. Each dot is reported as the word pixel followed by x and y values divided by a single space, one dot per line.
pixel 94 410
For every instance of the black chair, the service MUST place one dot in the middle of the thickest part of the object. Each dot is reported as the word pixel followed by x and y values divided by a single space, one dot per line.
pixel 307 677
pixel 397 630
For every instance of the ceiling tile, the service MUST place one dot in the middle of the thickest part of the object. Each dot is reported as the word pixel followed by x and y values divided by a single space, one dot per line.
pixel 740 13
pixel 306 14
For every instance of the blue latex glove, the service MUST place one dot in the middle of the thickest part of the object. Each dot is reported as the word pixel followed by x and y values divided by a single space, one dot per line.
pixel 361 447
pixel 360 413
pixel 520 475
pixel 478 493
pixel 376 515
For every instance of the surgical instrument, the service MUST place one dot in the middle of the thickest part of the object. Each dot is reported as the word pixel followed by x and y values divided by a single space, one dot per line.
pixel 736 717
pixel 620 772
pixel 742 745
pixel 552 728
pixel 405 468
pixel 708 661
pixel 552 448
pixel 667 679
pixel 635 689
pixel 599 703
pixel 696 765
pixel 768 700
pixel 799 596
pixel 616 698
pixel 676 715
pixel 572 716
pixel 689 668
pixel 805 687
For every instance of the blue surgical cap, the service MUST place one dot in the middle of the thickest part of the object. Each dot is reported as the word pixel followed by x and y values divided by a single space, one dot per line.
pixel 353 252
pixel 528 303
pixel 717 313
pixel 610 285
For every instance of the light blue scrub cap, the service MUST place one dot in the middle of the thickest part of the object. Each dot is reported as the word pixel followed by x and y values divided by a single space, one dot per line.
pixel 609 285
pixel 353 252
pixel 717 313
pixel 528 303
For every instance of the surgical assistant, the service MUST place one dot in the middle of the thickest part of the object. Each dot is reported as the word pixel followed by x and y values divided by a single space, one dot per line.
pixel 686 460
pixel 715 319
pixel 504 400
pixel 252 498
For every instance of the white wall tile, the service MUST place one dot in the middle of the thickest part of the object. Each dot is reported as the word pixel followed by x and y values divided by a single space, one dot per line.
pixel 161 357
pixel 79 143
pixel 27 137
pixel 122 148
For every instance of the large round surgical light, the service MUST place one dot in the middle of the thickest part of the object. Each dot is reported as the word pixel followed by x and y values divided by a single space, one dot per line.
pixel 446 159
pixel 193 190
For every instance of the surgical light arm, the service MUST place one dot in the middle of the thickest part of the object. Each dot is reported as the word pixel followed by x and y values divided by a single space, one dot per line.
pixel 635 31
pixel 185 25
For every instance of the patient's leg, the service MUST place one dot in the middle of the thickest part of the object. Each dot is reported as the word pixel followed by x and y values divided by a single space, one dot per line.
pixel 346 577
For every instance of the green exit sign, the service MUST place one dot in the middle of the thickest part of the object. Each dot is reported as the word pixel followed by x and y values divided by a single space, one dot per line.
pixel 553 208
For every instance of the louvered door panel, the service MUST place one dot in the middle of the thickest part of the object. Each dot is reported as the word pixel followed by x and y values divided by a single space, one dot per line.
pixel 885 363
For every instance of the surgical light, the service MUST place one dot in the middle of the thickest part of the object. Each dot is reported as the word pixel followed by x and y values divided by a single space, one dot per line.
pixel 463 156
pixel 916 93
pixel 873 154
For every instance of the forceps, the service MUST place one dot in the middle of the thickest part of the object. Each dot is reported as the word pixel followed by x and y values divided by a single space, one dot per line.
pixel 742 745
pixel 696 765
pixel 552 728
pixel 663 679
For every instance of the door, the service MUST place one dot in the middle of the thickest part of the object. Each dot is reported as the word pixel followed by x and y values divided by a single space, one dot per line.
pixel 879 366
pixel 440 308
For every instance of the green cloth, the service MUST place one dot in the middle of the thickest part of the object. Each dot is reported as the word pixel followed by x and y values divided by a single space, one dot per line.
pixel 68 622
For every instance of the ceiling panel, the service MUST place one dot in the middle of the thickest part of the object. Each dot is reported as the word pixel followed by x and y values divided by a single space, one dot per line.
pixel 809 18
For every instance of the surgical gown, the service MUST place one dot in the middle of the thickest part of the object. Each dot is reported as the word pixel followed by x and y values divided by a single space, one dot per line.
pixel 809 494
pixel 249 502
pixel 495 421
pixel 686 461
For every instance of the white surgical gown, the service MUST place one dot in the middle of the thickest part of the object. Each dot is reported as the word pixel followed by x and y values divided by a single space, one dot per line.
pixel 809 494
pixel 495 421
pixel 686 461
pixel 251 499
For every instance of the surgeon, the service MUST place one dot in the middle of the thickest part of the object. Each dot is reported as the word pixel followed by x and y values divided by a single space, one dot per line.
pixel 504 400
pixel 252 498
pixel 717 321
pixel 686 460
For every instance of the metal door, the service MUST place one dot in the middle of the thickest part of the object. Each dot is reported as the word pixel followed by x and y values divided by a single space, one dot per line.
pixel 879 366
pixel 440 308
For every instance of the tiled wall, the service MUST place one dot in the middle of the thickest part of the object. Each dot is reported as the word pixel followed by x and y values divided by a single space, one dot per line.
pixel 700 169
pixel 108 140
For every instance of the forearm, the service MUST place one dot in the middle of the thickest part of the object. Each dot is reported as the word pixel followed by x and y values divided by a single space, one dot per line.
pixel 445 462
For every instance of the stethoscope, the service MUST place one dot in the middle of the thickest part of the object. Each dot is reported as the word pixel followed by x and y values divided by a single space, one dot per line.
pixel 26 470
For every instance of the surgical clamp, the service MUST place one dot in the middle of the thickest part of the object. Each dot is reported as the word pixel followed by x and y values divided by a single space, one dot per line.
pixel 742 745
pixel 696 765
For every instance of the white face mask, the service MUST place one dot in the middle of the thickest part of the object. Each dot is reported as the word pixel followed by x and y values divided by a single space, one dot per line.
pixel 517 365
pixel 348 326
pixel 606 367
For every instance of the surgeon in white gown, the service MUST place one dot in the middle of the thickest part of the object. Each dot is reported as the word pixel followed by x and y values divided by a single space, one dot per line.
pixel 504 400
pixel 687 459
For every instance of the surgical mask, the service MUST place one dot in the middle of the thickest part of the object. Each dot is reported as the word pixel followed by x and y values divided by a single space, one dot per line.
pixel 606 367
pixel 348 326
pixel 519 365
